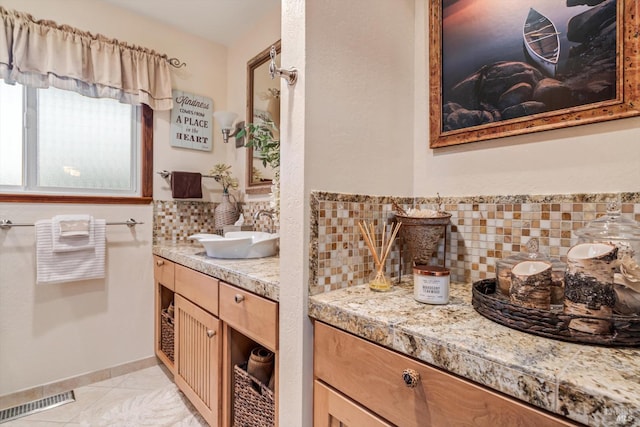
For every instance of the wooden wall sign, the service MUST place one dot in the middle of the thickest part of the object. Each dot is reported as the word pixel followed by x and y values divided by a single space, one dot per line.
pixel 191 121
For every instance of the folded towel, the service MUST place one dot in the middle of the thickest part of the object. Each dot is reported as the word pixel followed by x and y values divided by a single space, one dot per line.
pixel 260 364
pixel 59 267
pixel 74 228
pixel 186 185
pixel 67 235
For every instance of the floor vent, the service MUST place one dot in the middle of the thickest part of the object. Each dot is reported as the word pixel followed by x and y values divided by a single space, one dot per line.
pixel 36 406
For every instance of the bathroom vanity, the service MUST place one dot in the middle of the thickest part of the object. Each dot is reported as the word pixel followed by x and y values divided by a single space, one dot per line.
pixel 388 359
pixel 223 309
pixel 461 366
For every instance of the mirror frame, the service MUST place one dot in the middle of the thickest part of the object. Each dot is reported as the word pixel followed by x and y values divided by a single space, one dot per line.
pixel 255 62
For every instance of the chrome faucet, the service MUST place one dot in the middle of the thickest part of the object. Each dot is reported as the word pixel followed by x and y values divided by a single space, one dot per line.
pixel 268 213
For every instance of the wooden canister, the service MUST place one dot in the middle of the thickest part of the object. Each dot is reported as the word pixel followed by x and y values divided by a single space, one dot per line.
pixel 531 284
pixel 588 287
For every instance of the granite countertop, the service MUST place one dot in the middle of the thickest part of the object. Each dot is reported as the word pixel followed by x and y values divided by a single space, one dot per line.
pixel 593 385
pixel 260 275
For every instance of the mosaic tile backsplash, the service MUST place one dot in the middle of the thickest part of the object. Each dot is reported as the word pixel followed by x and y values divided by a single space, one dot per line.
pixel 483 229
pixel 175 220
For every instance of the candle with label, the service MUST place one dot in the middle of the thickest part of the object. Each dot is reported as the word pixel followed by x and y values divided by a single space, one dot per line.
pixel 431 284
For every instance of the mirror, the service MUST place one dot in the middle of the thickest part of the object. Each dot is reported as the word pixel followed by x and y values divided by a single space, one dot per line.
pixel 263 103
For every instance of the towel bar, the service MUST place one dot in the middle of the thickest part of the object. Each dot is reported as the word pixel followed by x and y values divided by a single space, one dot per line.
pixel 6 224
pixel 167 175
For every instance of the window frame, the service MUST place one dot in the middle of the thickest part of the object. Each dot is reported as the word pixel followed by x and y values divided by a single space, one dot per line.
pixel 146 181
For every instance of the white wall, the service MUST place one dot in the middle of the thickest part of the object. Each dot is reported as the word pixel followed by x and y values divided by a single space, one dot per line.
pixel 48 333
pixel 347 126
pixel 296 334
pixel 359 96
pixel 52 332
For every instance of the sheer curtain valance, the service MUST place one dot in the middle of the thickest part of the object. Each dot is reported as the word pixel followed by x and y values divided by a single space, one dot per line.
pixel 42 54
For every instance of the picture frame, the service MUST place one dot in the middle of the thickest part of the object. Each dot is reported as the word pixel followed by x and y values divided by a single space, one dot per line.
pixel 191 121
pixel 624 100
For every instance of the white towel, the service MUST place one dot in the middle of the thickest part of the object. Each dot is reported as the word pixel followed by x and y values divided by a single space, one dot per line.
pixel 72 233
pixel 77 227
pixel 59 267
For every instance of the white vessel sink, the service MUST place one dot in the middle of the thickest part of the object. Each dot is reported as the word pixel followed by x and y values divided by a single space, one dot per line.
pixel 239 244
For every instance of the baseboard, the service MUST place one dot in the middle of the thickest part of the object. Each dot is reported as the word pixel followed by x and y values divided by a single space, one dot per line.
pixel 28 395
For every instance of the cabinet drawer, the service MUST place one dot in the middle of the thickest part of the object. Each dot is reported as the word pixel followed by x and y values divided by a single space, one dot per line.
pixel 254 316
pixel 372 376
pixel 197 287
pixel 163 272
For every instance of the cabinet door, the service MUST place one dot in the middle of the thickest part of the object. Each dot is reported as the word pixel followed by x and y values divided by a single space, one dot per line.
pixel 332 409
pixel 197 370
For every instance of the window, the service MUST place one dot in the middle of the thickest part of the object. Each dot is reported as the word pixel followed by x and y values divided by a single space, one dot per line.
pixel 56 143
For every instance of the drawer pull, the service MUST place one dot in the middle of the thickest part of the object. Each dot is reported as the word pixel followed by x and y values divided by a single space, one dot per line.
pixel 238 298
pixel 210 333
pixel 411 377
pixel 159 263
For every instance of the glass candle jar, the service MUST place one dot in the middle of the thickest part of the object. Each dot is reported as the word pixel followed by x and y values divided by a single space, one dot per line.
pixel 624 234
pixel 431 284
pixel 613 228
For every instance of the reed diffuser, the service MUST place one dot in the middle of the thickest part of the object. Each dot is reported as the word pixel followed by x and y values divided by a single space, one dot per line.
pixel 380 282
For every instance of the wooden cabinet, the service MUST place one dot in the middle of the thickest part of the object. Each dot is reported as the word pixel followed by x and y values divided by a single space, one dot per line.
pixel 374 377
pixel 207 347
pixel 197 369
pixel 195 359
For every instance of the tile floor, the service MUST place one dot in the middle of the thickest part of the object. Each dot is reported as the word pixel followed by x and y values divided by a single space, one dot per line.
pixel 147 397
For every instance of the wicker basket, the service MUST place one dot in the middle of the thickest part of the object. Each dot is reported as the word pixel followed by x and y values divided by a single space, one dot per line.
pixel 166 334
pixel 422 235
pixel 549 323
pixel 253 404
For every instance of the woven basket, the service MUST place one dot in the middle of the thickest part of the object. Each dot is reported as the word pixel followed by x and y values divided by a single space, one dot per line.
pixel 253 404
pixel 549 323
pixel 166 334
pixel 422 235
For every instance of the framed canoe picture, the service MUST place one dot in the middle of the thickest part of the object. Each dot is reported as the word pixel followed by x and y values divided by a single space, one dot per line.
pixel 500 68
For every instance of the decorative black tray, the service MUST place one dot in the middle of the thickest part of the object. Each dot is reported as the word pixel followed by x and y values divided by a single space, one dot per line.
pixel 625 330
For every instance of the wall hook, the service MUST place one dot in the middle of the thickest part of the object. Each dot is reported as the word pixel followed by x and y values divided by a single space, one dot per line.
pixel 290 75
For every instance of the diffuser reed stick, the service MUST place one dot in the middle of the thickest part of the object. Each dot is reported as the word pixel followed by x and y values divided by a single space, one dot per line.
pixel 379 282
